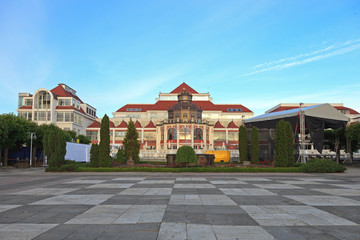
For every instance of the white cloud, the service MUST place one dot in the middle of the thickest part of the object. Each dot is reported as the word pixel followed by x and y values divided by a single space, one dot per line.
pixel 327 52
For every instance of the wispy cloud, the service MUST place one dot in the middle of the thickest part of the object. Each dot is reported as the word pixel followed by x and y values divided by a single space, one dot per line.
pixel 327 52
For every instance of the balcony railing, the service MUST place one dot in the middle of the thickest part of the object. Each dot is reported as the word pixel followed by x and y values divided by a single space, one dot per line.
pixel 178 120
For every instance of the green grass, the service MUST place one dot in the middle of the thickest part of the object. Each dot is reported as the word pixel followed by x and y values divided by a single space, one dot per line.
pixel 190 169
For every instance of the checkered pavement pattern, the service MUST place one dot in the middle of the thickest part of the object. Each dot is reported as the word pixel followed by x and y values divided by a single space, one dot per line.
pixel 187 207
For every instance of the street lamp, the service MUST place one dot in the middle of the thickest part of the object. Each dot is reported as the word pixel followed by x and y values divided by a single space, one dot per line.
pixel 32 135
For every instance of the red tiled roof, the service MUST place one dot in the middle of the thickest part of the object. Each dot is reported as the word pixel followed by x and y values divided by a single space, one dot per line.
pixel 164 106
pixel 111 124
pixel 283 108
pixel 60 92
pixel 95 124
pixel 26 107
pixel 218 125
pixel 351 111
pixel 183 87
pixel 138 124
pixel 123 124
pixel 232 125
pixel 150 125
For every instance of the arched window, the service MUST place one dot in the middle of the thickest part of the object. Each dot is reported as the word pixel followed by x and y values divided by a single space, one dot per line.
pixel 172 134
pixel 185 133
pixel 42 100
pixel 198 134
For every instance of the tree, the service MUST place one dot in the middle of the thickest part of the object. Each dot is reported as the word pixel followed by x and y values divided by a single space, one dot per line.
pixel 290 144
pixel 131 143
pixel 94 155
pixel 83 139
pixel 281 145
pixel 54 146
pixel 120 156
pixel 243 144
pixel 70 135
pixel 186 154
pixel 14 132
pixel 336 140
pixel 352 133
pixel 255 149
pixel 104 146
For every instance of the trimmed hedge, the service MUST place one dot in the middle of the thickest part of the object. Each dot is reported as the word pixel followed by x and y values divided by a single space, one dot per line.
pixel 322 166
pixel 186 154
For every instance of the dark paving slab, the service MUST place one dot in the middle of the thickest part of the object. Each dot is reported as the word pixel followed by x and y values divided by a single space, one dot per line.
pixel 296 192
pixel 351 213
pixel 97 191
pixel 263 200
pixel 137 200
pixel 16 199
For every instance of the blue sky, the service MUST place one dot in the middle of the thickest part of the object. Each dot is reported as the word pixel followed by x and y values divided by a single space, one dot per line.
pixel 255 53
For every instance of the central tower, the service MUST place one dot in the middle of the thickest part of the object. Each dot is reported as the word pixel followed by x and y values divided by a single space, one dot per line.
pixel 185 110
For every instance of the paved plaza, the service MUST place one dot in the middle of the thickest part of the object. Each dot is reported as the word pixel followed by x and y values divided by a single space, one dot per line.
pixel 39 205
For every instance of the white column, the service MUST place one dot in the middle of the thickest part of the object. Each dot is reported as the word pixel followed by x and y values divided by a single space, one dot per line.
pixel 113 142
pixel 227 135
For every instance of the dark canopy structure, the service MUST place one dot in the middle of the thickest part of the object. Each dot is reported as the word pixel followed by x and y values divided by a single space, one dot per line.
pixel 317 118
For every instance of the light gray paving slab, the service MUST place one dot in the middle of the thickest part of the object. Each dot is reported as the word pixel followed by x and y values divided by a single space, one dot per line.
pixel 111 185
pixel 299 182
pixel 317 179
pixel 200 232
pixel 23 231
pixel 193 185
pixel 351 186
pixel 46 191
pixel 128 179
pixel 7 207
pixel 101 214
pixel 90 199
pixel 246 191
pixel 183 199
pixel 227 182
pixel 339 191
pixel 324 200
pixel 218 200
pixel 285 215
pixel 175 231
pixel 277 186
pixel 191 179
pixel 156 182
pixel 146 191
pixel 85 181
pixel 253 179
pixel 241 232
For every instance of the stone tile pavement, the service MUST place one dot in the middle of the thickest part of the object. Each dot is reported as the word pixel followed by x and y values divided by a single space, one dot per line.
pixel 38 205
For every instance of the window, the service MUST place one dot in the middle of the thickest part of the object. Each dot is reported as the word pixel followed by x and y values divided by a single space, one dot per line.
pixel 185 115
pixel 198 134
pixel 59 117
pixel 219 136
pixel 234 110
pixel 185 133
pixel 136 116
pixel 177 115
pixel 134 109
pixel 150 136
pixel 42 100
pixel 92 135
pixel 233 136
pixel 69 117
pixel 119 135
pixel 64 102
pixel 28 102
pixel 153 115
pixel 172 134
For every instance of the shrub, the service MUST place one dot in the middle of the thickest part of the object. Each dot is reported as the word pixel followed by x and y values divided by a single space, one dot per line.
pixel 254 145
pixel 322 166
pixel 243 144
pixel 131 143
pixel 120 156
pixel 104 146
pixel 186 154
pixel 54 146
pixel 94 155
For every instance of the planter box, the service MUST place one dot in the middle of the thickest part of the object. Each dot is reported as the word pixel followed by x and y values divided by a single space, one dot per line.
pixel 204 160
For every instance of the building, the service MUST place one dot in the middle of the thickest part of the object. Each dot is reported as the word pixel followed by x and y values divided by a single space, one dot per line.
pixel 181 117
pixel 60 106
pixel 348 112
